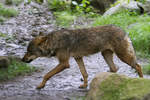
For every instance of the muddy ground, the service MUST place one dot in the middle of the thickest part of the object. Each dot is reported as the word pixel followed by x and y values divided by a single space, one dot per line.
pixel 31 20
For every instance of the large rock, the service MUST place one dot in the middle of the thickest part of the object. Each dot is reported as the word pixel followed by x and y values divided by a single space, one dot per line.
pixel 146 6
pixel 132 5
pixel 5 61
pixel 111 86
pixel 102 5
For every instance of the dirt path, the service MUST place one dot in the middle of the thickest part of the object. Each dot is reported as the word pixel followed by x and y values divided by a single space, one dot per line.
pixel 63 86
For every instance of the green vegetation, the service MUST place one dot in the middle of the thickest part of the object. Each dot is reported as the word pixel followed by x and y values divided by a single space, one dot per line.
pixel 79 6
pixel 16 68
pixel 142 1
pixel 39 1
pixel 122 19
pixel 2 19
pixel 7 12
pixel 146 69
pixel 64 18
pixel 3 35
pixel 15 2
pixel 58 5
pixel 140 35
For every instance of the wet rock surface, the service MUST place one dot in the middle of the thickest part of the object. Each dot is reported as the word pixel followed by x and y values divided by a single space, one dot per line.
pixel 32 20
pixel 17 32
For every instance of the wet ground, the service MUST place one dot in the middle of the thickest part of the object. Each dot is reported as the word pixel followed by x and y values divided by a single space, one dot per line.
pixel 63 86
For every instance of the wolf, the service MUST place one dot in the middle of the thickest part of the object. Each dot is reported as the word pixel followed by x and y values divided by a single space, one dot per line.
pixel 77 43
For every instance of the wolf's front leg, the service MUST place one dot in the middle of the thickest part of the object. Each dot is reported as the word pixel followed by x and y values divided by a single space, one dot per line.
pixel 80 63
pixel 60 67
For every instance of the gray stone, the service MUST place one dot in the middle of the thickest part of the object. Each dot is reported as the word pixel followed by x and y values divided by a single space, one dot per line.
pixel 132 5
pixel 146 6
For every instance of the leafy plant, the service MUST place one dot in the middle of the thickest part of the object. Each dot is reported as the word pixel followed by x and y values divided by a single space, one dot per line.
pixel 39 1
pixel 58 5
pixel 81 6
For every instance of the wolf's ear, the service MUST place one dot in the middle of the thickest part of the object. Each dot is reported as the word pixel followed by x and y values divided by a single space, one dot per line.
pixel 40 39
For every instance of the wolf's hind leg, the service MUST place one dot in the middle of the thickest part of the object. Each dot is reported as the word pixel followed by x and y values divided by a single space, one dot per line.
pixel 108 56
pixel 125 52
pixel 80 63
pixel 60 67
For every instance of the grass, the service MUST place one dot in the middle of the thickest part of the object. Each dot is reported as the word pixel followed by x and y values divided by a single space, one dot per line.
pixel 122 19
pixel 2 19
pixel 16 69
pixel 7 12
pixel 146 69
pixel 140 35
pixel 64 18
pixel 3 35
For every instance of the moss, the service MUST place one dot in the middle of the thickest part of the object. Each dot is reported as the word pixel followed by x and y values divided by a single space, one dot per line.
pixel 122 88
pixel 16 68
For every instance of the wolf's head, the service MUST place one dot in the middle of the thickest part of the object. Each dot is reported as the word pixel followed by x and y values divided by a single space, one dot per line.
pixel 35 49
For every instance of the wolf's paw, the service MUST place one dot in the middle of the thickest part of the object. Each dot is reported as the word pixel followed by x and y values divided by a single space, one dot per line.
pixel 40 86
pixel 114 70
pixel 83 86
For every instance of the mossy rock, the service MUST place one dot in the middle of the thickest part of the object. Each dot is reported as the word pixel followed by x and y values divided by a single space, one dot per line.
pixel 111 86
pixel 12 67
pixel 5 61
pixel 102 5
